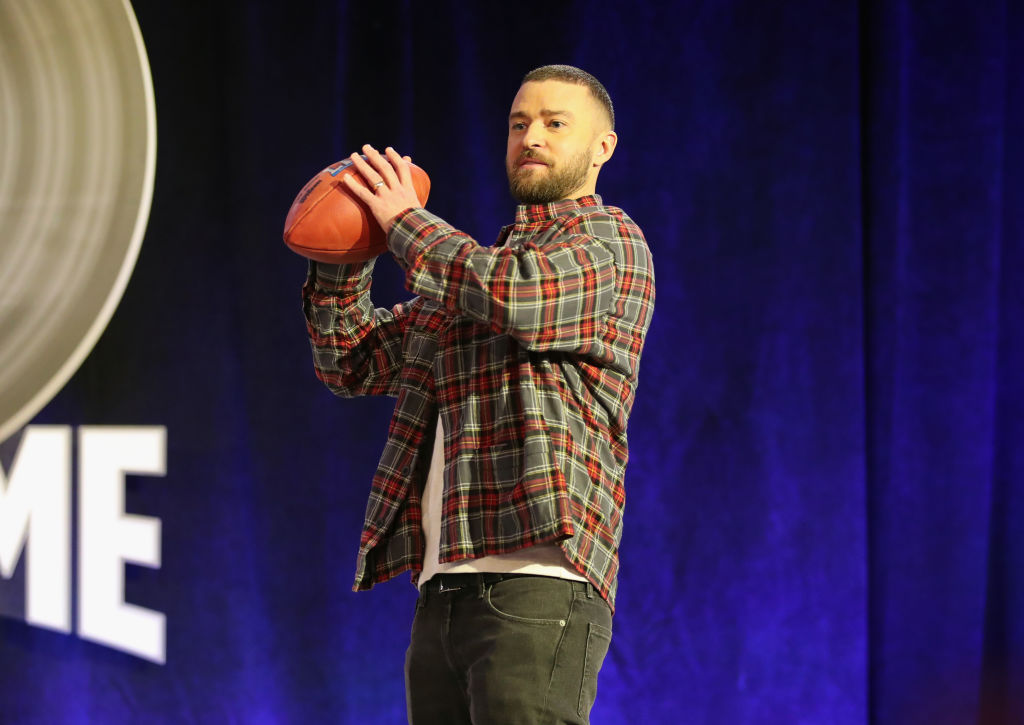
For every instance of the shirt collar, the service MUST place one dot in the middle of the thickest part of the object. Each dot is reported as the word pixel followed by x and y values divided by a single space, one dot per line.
pixel 528 213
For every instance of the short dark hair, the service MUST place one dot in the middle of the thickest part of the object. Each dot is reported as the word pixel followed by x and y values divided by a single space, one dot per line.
pixel 572 74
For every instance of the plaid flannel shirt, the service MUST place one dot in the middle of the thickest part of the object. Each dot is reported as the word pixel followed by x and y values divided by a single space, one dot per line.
pixel 528 350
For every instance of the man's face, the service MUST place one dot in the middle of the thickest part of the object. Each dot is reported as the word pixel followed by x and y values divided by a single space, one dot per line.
pixel 554 136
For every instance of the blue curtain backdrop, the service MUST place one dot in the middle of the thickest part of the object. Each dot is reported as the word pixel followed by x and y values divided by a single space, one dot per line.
pixel 825 497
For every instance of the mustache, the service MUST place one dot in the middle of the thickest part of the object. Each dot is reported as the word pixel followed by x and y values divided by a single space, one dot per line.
pixel 533 155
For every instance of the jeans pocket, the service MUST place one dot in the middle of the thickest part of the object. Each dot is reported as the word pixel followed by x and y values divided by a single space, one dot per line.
pixel 598 640
pixel 531 600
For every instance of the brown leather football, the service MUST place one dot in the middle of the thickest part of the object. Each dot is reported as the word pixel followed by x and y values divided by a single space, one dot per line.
pixel 328 224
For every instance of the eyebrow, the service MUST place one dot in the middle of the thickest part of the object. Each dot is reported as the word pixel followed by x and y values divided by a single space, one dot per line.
pixel 543 112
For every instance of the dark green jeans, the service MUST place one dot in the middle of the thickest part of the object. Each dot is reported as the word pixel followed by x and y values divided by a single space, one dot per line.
pixel 491 649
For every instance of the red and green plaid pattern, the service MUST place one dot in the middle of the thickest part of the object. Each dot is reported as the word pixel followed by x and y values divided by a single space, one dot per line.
pixel 528 350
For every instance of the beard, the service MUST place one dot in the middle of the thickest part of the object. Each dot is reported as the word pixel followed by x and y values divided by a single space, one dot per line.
pixel 557 184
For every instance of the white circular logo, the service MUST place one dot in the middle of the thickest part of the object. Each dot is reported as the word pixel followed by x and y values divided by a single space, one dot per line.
pixel 77 161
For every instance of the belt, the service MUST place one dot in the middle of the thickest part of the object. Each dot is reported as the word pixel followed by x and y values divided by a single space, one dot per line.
pixel 441 583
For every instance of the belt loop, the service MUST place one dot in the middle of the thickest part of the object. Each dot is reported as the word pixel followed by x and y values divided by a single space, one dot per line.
pixel 481 586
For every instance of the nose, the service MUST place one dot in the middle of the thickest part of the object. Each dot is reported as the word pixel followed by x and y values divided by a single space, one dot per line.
pixel 534 138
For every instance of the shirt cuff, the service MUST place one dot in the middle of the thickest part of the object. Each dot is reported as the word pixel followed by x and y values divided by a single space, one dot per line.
pixel 339 276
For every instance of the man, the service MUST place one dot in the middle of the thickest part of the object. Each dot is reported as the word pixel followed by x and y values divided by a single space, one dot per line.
pixel 501 484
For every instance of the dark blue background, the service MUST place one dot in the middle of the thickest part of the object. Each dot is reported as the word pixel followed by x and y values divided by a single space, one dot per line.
pixel 826 488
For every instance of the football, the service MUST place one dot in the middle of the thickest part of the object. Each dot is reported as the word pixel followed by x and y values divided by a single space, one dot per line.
pixel 328 224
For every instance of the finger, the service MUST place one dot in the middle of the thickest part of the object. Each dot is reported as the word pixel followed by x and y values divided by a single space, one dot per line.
pixel 381 164
pixel 402 164
pixel 369 174
pixel 361 192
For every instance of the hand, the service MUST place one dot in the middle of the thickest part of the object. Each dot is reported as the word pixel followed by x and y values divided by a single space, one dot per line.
pixel 391 190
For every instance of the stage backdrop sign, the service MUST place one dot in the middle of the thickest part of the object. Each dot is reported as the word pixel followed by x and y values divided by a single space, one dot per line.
pixel 77 166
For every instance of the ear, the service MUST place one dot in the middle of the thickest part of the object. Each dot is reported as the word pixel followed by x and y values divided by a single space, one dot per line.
pixel 604 147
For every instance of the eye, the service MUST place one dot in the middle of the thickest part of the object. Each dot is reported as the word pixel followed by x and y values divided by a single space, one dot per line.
pixel 518 126
pixel 557 124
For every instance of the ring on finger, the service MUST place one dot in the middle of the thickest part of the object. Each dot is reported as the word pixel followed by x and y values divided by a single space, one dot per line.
pixel 379 184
